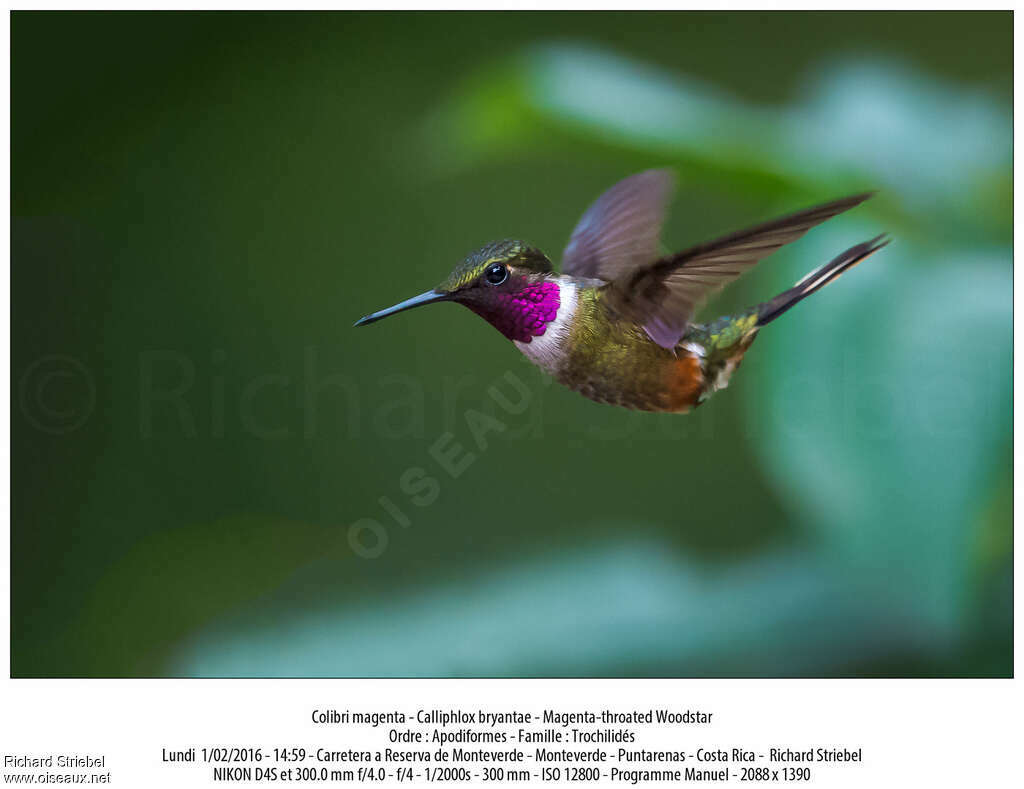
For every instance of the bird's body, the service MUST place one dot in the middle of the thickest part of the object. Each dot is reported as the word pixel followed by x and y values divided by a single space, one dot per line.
pixel 616 324
pixel 612 360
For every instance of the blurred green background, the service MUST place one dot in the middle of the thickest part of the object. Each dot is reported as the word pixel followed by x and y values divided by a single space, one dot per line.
pixel 203 203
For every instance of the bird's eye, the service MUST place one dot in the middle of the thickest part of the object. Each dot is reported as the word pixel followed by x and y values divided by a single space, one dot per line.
pixel 496 274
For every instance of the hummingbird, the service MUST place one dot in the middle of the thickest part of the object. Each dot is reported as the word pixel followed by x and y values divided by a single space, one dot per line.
pixel 617 324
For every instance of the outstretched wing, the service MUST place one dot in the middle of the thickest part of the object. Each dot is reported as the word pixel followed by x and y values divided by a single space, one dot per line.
pixel 621 228
pixel 663 295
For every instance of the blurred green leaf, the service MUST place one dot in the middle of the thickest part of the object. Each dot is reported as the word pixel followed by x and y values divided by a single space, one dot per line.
pixel 882 411
pixel 578 612
pixel 930 146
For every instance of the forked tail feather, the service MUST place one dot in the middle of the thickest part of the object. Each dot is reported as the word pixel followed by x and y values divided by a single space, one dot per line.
pixel 818 279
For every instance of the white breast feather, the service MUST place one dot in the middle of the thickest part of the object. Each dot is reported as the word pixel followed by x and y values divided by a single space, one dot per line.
pixel 545 351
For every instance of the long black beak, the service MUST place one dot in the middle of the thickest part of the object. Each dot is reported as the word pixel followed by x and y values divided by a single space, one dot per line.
pixel 416 301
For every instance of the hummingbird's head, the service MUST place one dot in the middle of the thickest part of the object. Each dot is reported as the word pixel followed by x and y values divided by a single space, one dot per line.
pixel 508 283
